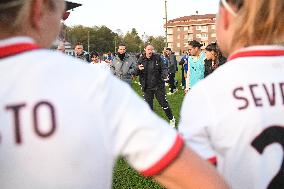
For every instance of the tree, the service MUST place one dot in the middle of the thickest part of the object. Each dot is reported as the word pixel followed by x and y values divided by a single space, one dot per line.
pixel 133 41
pixel 100 38
pixel 158 43
pixel 103 39
pixel 77 34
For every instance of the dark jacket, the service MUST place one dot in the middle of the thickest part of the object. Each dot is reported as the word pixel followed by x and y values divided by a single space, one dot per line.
pixel 154 73
pixel 84 56
pixel 209 68
pixel 172 63
pixel 124 69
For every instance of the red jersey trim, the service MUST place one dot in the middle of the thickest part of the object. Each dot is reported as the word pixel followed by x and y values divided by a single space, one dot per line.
pixel 257 53
pixel 14 49
pixel 213 160
pixel 169 157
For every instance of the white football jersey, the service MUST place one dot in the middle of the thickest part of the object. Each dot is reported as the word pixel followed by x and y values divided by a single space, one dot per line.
pixel 101 65
pixel 63 123
pixel 236 116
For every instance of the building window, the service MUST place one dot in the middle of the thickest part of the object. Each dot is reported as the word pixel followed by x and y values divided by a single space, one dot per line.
pixel 170 30
pixel 213 35
pixel 213 27
pixel 185 28
pixel 178 45
pixel 204 28
pixel 178 28
pixel 170 38
pixel 204 35
pixel 178 36
pixel 170 45
pixel 198 27
pixel 198 35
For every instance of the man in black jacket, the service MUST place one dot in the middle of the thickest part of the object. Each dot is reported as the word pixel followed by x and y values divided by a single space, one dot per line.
pixel 152 74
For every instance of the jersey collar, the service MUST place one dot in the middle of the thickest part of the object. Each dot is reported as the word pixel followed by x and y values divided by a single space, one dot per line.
pixel 258 51
pixel 16 45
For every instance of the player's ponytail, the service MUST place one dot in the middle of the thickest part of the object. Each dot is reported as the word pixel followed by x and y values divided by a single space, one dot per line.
pixel 11 13
pixel 258 22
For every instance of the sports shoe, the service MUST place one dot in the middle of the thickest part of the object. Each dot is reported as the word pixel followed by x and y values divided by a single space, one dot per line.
pixel 173 122
pixel 169 93
pixel 174 91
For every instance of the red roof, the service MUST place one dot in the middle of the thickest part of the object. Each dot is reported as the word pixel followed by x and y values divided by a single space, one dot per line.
pixel 193 20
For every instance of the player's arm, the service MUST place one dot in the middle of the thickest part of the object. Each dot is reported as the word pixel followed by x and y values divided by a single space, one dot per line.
pixel 190 171
pixel 194 128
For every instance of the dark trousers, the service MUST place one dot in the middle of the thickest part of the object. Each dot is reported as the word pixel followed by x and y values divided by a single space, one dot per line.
pixel 172 82
pixel 182 77
pixel 160 95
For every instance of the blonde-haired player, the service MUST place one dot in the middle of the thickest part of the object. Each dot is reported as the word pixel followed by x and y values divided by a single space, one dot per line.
pixel 235 117
pixel 62 125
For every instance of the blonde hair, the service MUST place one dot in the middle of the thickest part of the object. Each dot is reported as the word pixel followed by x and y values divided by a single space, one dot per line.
pixel 259 22
pixel 13 11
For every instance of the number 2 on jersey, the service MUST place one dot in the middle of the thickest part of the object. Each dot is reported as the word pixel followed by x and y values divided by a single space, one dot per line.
pixel 273 134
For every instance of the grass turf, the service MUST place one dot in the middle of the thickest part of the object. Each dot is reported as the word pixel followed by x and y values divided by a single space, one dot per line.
pixel 124 177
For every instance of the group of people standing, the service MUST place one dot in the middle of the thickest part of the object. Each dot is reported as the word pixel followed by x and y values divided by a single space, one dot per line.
pixel 151 69
pixel 155 70
pixel 198 64
pixel 64 124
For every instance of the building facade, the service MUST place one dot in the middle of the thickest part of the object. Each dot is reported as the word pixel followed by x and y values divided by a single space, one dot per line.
pixel 195 27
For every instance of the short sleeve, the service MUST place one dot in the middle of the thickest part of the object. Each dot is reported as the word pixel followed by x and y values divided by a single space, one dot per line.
pixel 196 123
pixel 136 132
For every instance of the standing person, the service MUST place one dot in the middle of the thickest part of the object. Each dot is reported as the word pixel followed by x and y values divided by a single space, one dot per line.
pixel 164 58
pixel 183 64
pixel 166 62
pixel 80 53
pixel 152 74
pixel 172 67
pixel 123 65
pixel 109 58
pixel 213 59
pixel 195 64
pixel 56 131
pixel 61 48
pixel 235 116
pixel 95 57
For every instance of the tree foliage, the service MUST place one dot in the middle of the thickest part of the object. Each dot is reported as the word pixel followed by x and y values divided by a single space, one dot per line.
pixel 158 43
pixel 133 41
pixel 102 39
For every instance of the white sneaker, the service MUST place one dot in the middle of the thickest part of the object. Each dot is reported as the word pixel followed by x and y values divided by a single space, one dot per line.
pixel 174 91
pixel 169 93
pixel 173 122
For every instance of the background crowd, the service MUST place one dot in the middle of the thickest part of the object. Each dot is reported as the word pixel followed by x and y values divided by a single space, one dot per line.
pixel 196 64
